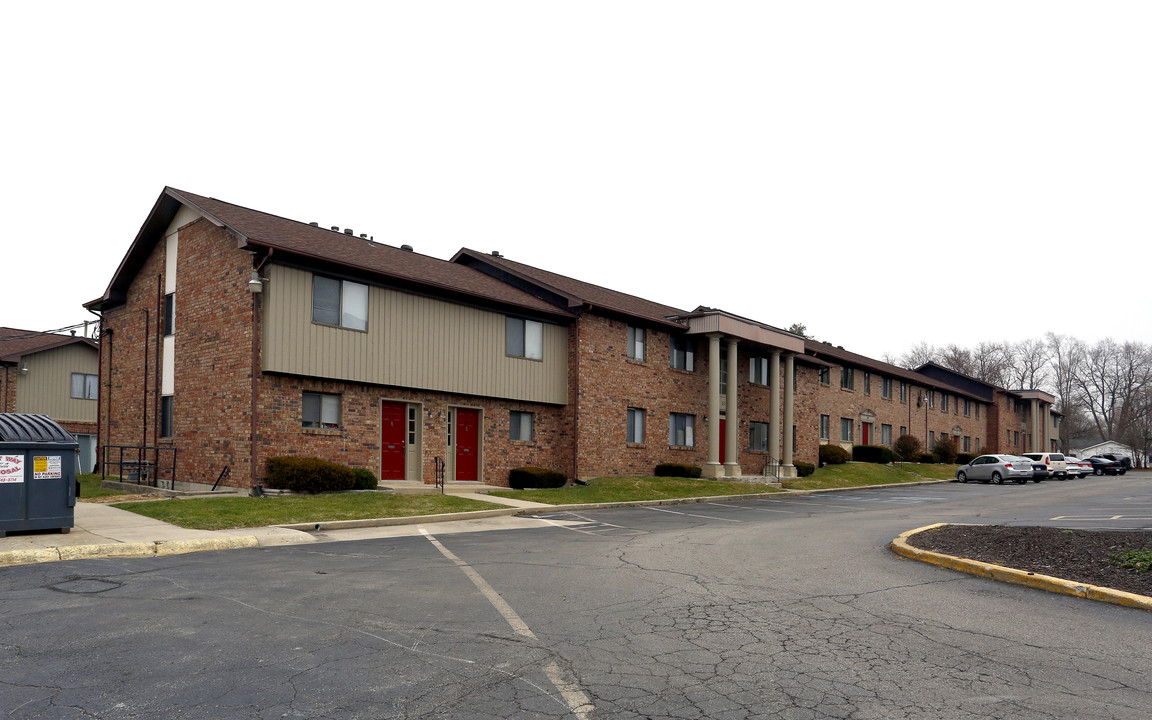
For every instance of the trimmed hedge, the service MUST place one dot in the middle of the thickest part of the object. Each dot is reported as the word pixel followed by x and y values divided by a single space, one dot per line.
pixel 534 477
pixel 833 455
pixel 925 458
pixel 804 469
pixel 308 475
pixel 872 454
pixel 677 470
pixel 364 479
pixel 965 458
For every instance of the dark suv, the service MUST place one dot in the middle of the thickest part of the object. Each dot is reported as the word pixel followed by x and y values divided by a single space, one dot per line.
pixel 1124 461
pixel 1105 466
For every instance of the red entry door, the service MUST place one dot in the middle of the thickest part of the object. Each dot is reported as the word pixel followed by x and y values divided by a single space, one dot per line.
pixel 865 432
pixel 393 422
pixel 467 444
pixel 723 435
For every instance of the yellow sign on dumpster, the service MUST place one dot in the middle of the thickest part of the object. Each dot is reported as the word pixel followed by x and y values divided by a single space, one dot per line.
pixel 46 467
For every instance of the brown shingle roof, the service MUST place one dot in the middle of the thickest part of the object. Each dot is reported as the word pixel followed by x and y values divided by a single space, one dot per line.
pixel 844 357
pixel 319 245
pixel 15 343
pixel 577 292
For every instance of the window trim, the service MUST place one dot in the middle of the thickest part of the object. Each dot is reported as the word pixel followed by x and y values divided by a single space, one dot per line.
pixel 90 386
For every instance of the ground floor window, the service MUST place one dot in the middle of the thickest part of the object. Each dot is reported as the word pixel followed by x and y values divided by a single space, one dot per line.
pixel 845 429
pixel 759 436
pixel 520 426
pixel 825 427
pixel 681 430
pixel 967 439
pixel 635 433
pixel 977 448
pixel 903 430
pixel 166 416
pixel 885 434
pixel 321 410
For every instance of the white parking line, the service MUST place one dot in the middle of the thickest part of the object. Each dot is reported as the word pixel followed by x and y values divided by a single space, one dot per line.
pixel 674 512
pixel 578 702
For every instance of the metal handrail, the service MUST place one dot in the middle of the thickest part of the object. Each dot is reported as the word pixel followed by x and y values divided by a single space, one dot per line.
pixel 439 463
pixel 148 470
pixel 772 467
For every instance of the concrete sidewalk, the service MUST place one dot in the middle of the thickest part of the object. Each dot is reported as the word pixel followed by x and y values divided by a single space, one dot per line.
pixel 105 531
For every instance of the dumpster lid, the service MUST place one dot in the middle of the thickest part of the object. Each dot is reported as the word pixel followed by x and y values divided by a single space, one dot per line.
pixel 29 427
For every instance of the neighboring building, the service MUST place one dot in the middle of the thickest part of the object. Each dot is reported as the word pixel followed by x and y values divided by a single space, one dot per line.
pixel 1019 421
pixel 1082 450
pixel 53 375
pixel 230 336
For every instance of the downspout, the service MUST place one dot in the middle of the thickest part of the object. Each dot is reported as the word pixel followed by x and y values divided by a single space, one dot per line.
pixel 108 406
pixel 100 376
pixel 160 319
pixel 576 404
pixel 144 388
pixel 252 461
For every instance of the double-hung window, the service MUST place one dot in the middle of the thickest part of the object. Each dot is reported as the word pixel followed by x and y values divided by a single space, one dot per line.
pixel 321 410
pixel 967 407
pixel 637 343
pixel 886 435
pixel 758 371
pixel 635 432
pixel 759 436
pixel 339 302
pixel 903 391
pixel 84 386
pixel 523 338
pixel 520 426
pixel 867 383
pixel 681 430
pixel 931 398
pixel 825 376
pixel 886 388
pixel 847 378
pixel 683 357
pixel 943 402
pixel 825 427
pixel 846 429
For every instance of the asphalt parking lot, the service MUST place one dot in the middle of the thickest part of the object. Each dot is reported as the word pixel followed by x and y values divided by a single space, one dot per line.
pixel 775 607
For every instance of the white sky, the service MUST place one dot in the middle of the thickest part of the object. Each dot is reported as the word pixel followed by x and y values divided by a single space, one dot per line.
pixel 883 172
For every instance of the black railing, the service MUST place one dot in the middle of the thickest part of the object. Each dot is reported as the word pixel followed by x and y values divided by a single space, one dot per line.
pixel 140 464
pixel 440 473
pixel 771 467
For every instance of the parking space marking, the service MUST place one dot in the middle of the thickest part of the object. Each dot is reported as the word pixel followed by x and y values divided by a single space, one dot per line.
pixel 675 512
pixel 577 701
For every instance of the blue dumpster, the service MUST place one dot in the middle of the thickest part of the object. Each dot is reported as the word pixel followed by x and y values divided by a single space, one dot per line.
pixel 38 460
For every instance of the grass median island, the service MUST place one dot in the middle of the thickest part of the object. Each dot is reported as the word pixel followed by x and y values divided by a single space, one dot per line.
pixel 635 488
pixel 238 512
pixel 858 474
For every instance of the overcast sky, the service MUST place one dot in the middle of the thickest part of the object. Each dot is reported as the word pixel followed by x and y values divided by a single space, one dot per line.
pixel 883 172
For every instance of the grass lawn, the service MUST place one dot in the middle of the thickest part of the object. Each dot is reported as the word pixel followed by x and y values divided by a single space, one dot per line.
pixel 858 474
pixel 626 489
pixel 90 487
pixel 236 512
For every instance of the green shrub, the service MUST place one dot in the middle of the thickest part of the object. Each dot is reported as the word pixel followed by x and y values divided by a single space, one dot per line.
pixel 872 454
pixel 308 474
pixel 927 458
pixel 804 469
pixel 534 477
pixel 677 470
pixel 907 447
pixel 1136 560
pixel 364 479
pixel 965 458
pixel 945 450
pixel 833 455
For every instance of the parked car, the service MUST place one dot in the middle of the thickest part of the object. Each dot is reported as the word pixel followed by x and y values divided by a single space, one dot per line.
pixel 1077 467
pixel 996 469
pixel 1057 466
pixel 1124 460
pixel 1105 466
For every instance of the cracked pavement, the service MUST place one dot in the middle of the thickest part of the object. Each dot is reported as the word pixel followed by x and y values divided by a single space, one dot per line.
pixel 770 608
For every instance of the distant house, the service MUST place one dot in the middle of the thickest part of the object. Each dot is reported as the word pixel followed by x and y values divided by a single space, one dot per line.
pixel 1113 447
pixel 53 375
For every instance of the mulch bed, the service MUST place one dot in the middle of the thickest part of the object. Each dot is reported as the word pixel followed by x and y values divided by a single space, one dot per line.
pixel 1077 555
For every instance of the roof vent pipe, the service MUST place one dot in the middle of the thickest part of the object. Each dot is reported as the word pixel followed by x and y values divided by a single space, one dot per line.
pixel 496 253
pixel 336 227
pixel 348 231
pixel 314 224
pixel 406 248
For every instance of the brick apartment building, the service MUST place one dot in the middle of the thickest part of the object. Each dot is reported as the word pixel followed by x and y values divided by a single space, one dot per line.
pixel 53 375
pixel 230 335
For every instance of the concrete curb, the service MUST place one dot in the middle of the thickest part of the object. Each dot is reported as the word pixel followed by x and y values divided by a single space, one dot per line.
pixel 125 550
pixel 901 547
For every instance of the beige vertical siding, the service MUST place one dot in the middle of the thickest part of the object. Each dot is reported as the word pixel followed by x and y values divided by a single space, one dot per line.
pixel 47 386
pixel 411 341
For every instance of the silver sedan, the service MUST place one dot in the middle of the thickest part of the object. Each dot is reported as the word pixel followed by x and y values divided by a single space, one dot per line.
pixel 996 469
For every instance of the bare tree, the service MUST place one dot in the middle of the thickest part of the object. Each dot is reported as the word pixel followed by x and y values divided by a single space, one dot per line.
pixel 989 362
pixel 958 359
pixel 920 354
pixel 1112 383
pixel 1029 364
pixel 1066 357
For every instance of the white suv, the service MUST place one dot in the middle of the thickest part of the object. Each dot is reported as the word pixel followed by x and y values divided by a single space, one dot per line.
pixel 1057 466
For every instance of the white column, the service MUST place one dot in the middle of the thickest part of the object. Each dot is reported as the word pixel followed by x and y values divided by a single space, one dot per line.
pixel 732 416
pixel 713 468
pixel 787 469
pixel 1037 433
pixel 774 407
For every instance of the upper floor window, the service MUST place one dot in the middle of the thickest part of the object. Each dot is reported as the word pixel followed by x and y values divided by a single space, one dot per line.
pixel 170 314
pixel 724 370
pixel 886 388
pixel 520 426
pixel 867 383
pixel 825 376
pixel 683 356
pixel 84 386
pixel 977 411
pixel 637 343
pixel 523 338
pixel 847 378
pixel 339 302
pixel 943 402
pixel 903 391
pixel 320 410
pixel 758 372
pixel 931 398
pixel 967 407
